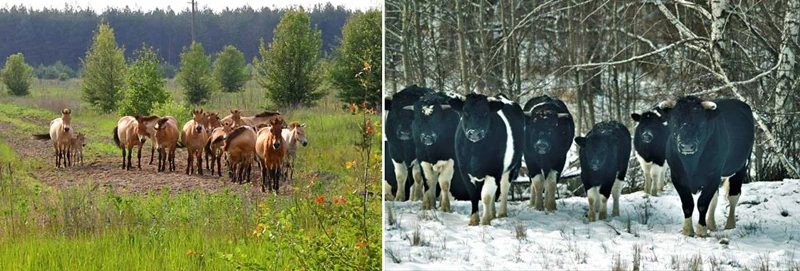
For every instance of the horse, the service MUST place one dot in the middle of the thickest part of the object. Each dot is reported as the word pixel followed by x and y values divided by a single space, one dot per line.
pixel 271 151
pixel 133 131
pixel 240 146
pixel 213 123
pixel 61 134
pixel 254 121
pixel 293 136
pixel 214 145
pixel 166 141
pixel 194 137
pixel 77 145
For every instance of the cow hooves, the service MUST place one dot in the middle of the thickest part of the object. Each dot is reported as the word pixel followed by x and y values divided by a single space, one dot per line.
pixel 602 216
pixel 701 231
pixel 615 213
pixel 473 219
pixel 730 226
pixel 539 207
pixel 502 214
pixel 551 208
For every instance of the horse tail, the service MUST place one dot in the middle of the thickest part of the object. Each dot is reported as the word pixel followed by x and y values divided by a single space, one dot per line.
pixel 116 137
pixel 42 137
pixel 208 146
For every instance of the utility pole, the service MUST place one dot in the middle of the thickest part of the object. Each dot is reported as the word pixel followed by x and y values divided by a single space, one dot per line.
pixel 194 5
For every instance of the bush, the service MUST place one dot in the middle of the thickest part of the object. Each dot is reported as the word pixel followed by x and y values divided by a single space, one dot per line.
pixel 146 84
pixel 361 47
pixel 103 70
pixel 181 112
pixel 17 75
pixel 229 69
pixel 195 75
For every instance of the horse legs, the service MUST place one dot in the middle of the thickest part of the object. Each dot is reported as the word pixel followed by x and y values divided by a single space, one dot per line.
pixel 58 158
pixel 130 153
pixel 123 158
pixel 189 162
pixel 172 159
pixel 200 162
pixel 263 177
pixel 139 157
pixel 152 150
pixel 69 156
pixel 218 160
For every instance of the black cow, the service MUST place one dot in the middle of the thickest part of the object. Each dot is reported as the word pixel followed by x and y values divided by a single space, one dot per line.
pixel 604 156
pixel 549 130
pixel 401 145
pixel 389 177
pixel 708 141
pixel 489 144
pixel 650 145
pixel 433 130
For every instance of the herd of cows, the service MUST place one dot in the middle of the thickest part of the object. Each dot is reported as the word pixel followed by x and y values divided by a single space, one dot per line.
pixel 265 139
pixel 465 147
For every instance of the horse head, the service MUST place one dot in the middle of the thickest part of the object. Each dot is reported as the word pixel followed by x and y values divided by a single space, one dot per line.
pixel 275 130
pixel 66 118
pixel 299 132
pixel 213 120
pixel 200 120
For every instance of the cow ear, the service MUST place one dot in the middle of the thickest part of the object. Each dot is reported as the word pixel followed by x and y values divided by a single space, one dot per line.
pixel 495 106
pixel 635 117
pixel 387 104
pixel 456 104
pixel 581 141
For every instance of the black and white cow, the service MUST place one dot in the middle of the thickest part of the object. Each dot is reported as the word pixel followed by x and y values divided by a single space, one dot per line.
pixel 650 145
pixel 489 143
pixel 549 130
pixel 399 135
pixel 604 156
pixel 389 178
pixel 709 141
pixel 433 130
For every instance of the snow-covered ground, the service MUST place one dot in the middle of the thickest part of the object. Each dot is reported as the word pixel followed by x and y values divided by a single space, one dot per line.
pixel 530 239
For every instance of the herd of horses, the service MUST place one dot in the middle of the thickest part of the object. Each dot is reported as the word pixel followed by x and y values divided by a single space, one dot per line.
pixel 265 139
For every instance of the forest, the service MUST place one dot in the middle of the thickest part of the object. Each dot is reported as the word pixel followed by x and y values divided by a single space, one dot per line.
pixel 64 34
pixel 608 59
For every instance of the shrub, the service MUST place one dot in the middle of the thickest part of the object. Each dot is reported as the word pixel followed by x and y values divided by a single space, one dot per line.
pixel 103 70
pixel 146 84
pixel 181 112
pixel 229 69
pixel 361 45
pixel 17 75
pixel 195 75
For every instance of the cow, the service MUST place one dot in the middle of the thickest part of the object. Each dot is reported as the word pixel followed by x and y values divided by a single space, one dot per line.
pixel 650 146
pixel 708 141
pixel 489 142
pixel 433 131
pixel 549 130
pixel 401 145
pixel 604 156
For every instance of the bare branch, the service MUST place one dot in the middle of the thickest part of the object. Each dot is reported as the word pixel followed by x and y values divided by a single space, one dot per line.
pixel 662 49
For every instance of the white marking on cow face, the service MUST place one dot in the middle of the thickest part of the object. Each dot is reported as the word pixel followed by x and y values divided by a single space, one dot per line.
pixel 509 151
pixel 427 110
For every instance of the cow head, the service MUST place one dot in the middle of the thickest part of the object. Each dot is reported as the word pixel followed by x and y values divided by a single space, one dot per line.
pixel 400 121
pixel 429 117
pixel 544 128
pixel 651 125
pixel 66 118
pixel 200 120
pixel 476 114
pixel 598 148
pixel 689 122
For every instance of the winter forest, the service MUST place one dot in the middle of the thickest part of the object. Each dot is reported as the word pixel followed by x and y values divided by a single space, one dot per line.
pixel 608 59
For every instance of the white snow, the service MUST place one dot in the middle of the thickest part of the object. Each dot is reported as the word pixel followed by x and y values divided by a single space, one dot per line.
pixel 565 240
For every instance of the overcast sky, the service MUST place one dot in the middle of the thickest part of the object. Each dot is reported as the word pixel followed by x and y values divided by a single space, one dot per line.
pixel 178 5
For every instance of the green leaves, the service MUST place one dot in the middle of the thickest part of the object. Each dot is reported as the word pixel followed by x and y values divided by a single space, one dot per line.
pixel 229 69
pixel 17 75
pixel 195 75
pixel 103 70
pixel 146 84
pixel 289 70
pixel 361 44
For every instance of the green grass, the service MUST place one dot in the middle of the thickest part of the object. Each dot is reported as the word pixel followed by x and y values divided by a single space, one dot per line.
pixel 86 228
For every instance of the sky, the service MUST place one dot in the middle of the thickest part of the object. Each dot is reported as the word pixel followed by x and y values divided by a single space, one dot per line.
pixel 178 5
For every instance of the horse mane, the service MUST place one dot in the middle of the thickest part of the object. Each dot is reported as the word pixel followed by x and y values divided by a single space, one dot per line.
pixel 161 122
pixel 267 114
pixel 236 132
pixel 146 118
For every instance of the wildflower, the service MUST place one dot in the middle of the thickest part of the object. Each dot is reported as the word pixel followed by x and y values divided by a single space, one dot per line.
pixel 320 199
pixel 335 201
pixel 367 67
pixel 368 122
pixel 364 104
pixel 369 130
pixel 350 164
pixel 342 200
pixel 353 107
pixel 189 252
pixel 371 110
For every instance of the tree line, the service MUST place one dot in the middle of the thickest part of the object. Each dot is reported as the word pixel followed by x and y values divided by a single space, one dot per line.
pixel 607 59
pixel 47 35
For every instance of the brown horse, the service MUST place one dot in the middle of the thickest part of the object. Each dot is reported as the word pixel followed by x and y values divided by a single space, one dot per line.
pixel 214 145
pixel 213 123
pixel 77 144
pixel 133 131
pixel 166 141
pixel 61 134
pixel 240 145
pixel 294 136
pixel 194 137
pixel 262 118
pixel 271 151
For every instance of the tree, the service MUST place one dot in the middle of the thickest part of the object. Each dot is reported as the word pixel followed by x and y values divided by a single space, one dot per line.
pixel 229 69
pixel 17 75
pixel 146 84
pixel 361 44
pixel 103 70
pixel 288 71
pixel 195 75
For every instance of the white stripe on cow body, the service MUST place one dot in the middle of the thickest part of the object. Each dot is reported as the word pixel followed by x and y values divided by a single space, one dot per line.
pixel 508 156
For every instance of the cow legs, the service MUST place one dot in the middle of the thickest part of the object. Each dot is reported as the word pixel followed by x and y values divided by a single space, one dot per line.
pixel 537 188
pixel 711 223
pixel 505 185
pixel 400 173
pixel 387 191
pixel 734 186
pixel 656 179
pixel 648 176
pixel 687 203
pixel 550 190
pixel 474 187
pixel 487 196
pixel 615 191
pixel 417 189
pixel 703 202
pixel 429 197
pixel 445 177
pixel 593 195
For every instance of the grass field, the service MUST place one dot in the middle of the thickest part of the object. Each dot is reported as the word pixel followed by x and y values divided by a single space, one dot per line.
pixel 321 221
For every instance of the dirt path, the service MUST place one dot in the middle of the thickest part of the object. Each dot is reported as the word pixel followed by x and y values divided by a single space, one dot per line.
pixel 107 170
